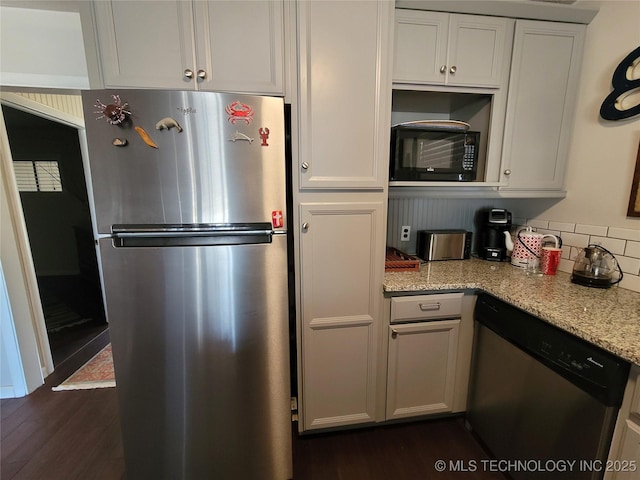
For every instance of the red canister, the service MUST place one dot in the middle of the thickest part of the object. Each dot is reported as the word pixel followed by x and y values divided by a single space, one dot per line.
pixel 550 260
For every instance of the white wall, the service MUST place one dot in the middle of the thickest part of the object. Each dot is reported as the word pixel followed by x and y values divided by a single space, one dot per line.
pixel 12 380
pixel 42 48
pixel 26 312
pixel 603 153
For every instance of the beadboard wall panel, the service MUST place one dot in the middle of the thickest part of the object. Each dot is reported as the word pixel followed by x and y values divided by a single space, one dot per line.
pixel 432 214
pixel 71 104
pixel 64 108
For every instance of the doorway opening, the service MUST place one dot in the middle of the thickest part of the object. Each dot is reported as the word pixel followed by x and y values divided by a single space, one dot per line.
pixel 47 160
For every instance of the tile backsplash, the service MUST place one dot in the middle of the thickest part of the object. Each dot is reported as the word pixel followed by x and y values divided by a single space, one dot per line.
pixel 422 213
pixel 622 242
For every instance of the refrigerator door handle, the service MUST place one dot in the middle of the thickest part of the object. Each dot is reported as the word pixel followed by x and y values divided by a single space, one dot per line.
pixel 190 235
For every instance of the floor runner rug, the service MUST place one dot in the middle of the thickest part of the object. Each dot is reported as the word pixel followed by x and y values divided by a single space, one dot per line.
pixel 96 373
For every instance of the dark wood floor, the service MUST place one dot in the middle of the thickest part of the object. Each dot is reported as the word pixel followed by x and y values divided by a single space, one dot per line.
pixel 73 311
pixel 73 435
pixel 407 451
pixel 68 435
pixel 67 342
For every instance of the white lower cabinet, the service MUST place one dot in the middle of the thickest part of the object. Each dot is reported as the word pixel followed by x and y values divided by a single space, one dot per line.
pixel 338 383
pixel 629 462
pixel 624 456
pixel 421 368
pixel 428 354
pixel 342 253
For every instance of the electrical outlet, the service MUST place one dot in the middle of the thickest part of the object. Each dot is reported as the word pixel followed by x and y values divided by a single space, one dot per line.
pixel 405 233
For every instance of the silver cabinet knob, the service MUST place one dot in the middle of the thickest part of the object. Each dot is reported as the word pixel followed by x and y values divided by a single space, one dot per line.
pixel 443 68
pixel 188 73
pixel 305 226
pixel 453 70
pixel 394 333
pixel 305 166
pixel 507 172
pixel 202 74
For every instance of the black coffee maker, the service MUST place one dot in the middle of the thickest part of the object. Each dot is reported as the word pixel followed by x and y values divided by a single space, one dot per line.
pixel 491 223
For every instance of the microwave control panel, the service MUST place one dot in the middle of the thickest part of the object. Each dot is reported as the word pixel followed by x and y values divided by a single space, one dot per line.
pixel 469 159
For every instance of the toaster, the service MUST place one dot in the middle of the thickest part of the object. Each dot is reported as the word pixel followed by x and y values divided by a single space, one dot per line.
pixel 444 244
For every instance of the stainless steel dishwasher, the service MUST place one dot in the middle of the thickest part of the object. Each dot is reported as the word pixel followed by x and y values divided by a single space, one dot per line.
pixel 541 398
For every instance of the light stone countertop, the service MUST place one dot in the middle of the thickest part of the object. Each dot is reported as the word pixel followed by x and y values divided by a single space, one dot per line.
pixel 609 318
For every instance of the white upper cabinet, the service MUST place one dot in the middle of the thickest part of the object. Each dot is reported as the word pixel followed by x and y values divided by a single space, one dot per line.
pixel 449 49
pixel 344 89
pixel 540 105
pixel 240 45
pixel 202 45
pixel 420 47
pixel 145 44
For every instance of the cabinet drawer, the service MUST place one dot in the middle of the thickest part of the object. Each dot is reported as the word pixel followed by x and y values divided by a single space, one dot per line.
pixel 446 305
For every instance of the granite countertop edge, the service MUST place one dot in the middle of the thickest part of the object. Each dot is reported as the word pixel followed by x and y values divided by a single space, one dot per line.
pixel 608 318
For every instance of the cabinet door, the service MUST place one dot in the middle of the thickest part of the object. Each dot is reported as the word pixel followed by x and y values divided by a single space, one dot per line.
pixel 540 104
pixel 145 43
pixel 340 288
pixel 458 50
pixel 477 48
pixel 240 46
pixel 345 90
pixel 421 368
pixel 420 46
pixel 629 459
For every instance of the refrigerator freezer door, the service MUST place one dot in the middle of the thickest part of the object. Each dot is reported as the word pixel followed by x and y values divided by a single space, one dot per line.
pixel 201 355
pixel 224 162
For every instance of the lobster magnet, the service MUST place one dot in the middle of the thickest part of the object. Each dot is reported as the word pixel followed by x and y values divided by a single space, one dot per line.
pixel 264 136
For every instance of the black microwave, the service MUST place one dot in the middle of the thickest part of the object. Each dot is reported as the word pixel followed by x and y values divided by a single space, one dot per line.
pixel 426 152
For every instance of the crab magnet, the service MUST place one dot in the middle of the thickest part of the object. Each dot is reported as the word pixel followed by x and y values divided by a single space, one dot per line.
pixel 264 136
pixel 237 111
pixel 115 112
pixel 277 220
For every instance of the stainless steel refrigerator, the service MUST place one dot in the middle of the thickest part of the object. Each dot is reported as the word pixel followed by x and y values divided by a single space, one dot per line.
pixel 190 206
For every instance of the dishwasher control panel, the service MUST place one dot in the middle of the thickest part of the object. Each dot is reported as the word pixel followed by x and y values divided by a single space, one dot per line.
pixel 565 352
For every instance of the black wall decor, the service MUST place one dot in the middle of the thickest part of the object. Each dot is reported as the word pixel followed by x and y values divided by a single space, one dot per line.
pixel 622 87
